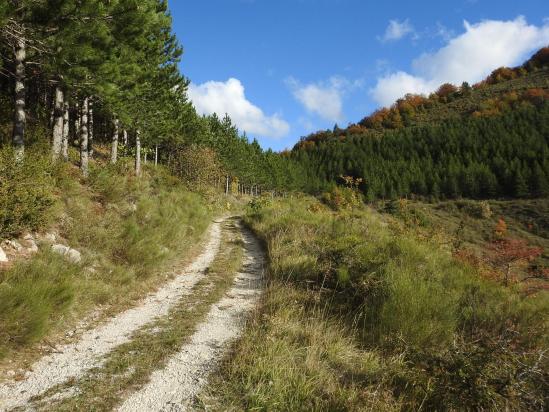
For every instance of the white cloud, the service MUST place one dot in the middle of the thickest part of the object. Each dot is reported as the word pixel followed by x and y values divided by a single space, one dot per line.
pixel 323 98
pixel 229 98
pixel 307 124
pixel 469 57
pixel 396 30
pixel 395 85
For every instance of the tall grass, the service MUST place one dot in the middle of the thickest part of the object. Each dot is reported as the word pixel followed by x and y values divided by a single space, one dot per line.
pixel 421 330
pixel 127 229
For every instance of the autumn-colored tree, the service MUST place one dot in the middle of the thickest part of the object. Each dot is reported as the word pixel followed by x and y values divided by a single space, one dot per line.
pixel 446 90
pixel 356 129
pixel 501 74
pixel 501 229
pixel 536 96
pixel 375 120
pixel 504 254
pixel 351 182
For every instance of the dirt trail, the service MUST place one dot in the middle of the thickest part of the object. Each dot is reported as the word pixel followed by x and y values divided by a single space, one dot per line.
pixel 174 387
pixel 73 360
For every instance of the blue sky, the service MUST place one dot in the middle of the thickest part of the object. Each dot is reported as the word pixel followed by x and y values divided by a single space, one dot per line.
pixel 285 68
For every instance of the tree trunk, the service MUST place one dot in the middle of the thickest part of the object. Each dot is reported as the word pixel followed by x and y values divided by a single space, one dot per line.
pixel 84 144
pixel 145 157
pixel 90 127
pixel 507 275
pixel 138 153
pixel 156 155
pixel 125 137
pixel 77 121
pixel 18 137
pixel 227 185
pixel 65 139
pixel 58 116
pixel 114 147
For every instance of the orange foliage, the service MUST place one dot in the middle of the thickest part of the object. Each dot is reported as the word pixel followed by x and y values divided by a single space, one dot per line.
pixel 504 253
pixel 536 96
pixel 469 257
pixel 501 228
pixel 375 120
pixel 446 89
pixel 502 74
pixel 355 129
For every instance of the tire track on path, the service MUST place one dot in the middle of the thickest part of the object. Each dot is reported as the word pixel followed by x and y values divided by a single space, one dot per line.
pixel 73 360
pixel 174 387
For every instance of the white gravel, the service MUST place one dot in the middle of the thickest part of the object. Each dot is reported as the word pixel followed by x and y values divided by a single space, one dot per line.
pixel 174 387
pixel 73 360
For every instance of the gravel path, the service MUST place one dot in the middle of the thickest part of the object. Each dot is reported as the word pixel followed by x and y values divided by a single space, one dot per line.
pixel 174 387
pixel 73 360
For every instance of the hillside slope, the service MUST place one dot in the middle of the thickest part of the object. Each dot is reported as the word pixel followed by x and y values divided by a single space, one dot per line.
pixel 488 140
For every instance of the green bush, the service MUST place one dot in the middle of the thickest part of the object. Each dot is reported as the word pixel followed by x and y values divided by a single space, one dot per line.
pixel 475 209
pixel 27 193
pixel 342 198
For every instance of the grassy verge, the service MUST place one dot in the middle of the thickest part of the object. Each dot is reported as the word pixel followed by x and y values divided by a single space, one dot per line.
pixel 362 314
pixel 472 223
pixel 129 231
pixel 128 368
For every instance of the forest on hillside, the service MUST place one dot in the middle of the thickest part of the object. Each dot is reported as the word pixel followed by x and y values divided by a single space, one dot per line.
pixel 482 141
pixel 503 156
pixel 77 73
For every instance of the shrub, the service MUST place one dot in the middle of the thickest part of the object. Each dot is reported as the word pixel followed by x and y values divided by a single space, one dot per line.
pixel 27 193
pixel 341 198
pixel 475 209
pixel 199 166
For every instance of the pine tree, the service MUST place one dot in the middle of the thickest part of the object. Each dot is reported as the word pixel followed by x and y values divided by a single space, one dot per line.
pixel 520 187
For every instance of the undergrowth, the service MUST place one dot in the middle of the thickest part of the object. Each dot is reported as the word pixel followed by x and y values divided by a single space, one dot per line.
pixel 362 314
pixel 128 230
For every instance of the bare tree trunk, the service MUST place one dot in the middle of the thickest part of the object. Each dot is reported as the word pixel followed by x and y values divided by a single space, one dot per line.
pixel 227 185
pixel 114 147
pixel 84 144
pixel 156 155
pixel 65 139
pixel 58 116
pixel 90 127
pixel 138 153
pixel 145 157
pixel 125 137
pixel 18 137
pixel 51 106
pixel 77 121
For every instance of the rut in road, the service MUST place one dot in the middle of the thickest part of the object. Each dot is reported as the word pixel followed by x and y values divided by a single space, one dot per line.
pixel 73 360
pixel 174 387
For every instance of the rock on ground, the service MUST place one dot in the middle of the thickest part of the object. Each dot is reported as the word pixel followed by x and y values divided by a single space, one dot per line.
pixel 3 256
pixel 72 255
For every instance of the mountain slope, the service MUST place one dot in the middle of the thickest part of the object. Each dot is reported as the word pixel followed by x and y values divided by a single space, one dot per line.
pixel 482 141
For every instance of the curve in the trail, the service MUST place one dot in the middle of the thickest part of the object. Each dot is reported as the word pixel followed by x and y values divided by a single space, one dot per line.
pixel 174 387
pixel 73 360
